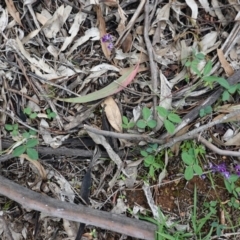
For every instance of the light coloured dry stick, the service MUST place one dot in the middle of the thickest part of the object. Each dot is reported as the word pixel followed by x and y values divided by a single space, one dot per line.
pixel 190 135
pixel 130 24
pixel 78 213
pixel 153 65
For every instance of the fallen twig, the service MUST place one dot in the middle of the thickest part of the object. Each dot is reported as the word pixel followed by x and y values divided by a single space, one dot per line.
pixel 153 65
pixel 77 213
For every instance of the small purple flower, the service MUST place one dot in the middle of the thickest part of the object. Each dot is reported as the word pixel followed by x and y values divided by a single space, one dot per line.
pixel 237 169
pixel 107 38
pixel 110 46
pixel 203 176
pixel 221 168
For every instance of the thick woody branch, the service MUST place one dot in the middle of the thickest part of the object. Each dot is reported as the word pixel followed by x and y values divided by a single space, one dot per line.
pixel 77 213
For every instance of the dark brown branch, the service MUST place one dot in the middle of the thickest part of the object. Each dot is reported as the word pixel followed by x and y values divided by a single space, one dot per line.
pixel 77 213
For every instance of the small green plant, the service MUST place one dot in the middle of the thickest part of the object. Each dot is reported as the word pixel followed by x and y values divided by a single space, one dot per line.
pixel 12 128
pixel 205 111
pixel 28 146
pixel 230 184
pixel 219 228
pixel 50 114
pixel 126 124
pixel 191 162
pixel 199 223
pixel 28 111
pixel 170 119
pixel 29 142
pixel 147 120
pixel 193 63
pixel 150 160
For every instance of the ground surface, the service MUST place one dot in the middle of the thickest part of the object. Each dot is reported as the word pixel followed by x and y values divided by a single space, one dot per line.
pixel 129 58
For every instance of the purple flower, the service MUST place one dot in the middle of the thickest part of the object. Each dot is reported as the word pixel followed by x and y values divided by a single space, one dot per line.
pixel 110 46
pixel 107 38
pixel 237 169
pixel 221 168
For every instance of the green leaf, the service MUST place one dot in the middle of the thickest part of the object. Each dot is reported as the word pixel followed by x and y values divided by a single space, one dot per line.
pixel 188 174
pixel 33 115
pixel 131 125
pixel 15 126
pixel 210 78
pixel 27 110
pixel 232 89
pixel 32 153
pixel 125 120
pixel 156 165
pixel 194 68
pixel 26 135
pixel 124 126
pixel 151 171
pixel 32 142
pixel 187 158
pixel 152 123
pixel 207 69
pixel 228 185
pixel 169 126
pixel 197 169
pixel 200 56
pixel 225 95
pixel 163 112
pixel 146 113
pixel 112 88
pixel 19 150
pixel 52 115
pixel 32 132
pixel 144 153
pixel 174 118
pixel 14 133
pixel 202 113
pixel 233 178
pixel 149 159
pixel 188 64
pixel 141 123
pixel 223 82
pixel 8 127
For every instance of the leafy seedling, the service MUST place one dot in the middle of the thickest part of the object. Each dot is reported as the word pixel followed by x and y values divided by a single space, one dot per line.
pixel 126 124
pixel 28 111
pixel 205 111
pixel 150 160
pixel 230 184
pixel 27 148
pixel 13 129
pixel 169 119
pixel 191 163
pixel 50 114
pixel 146 121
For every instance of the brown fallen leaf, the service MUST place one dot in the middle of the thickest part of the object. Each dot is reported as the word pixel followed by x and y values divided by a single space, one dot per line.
pixel 37 164
pixel 102 30
pixel 226 66
pixel 234 141
pixel 111 3
pixel 113 113
pixel 13 11
pixel 127 43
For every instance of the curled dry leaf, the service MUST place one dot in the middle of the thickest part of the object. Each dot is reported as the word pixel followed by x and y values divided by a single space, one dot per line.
pixel 102 30
pixel 37 164
pixel 194 7
pixel 114 87
pixel 226 66
pixel 113 113
pixel 13 11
